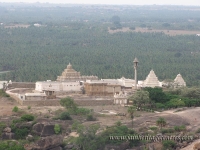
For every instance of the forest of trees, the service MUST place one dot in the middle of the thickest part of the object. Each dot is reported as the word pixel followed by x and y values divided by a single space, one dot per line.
pixel 79 34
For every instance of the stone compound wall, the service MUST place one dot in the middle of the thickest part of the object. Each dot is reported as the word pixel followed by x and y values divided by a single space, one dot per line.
pixel 22 85
pixel 93 102
pixel 56 102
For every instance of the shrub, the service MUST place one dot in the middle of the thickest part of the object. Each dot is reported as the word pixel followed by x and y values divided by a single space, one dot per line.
pixel 57 128
pixel 170 145
pixel 29 107
pixel 153 128
pixel 77 126
pixel 180 128
pixel 161 122
pixel 27 117
pixel 2 126
pixel 198 130
pixel 90 117
pixel 3 93
pixel 118 123
pixel 160 105
pixel 21 133
pixel 170 130
pixel 82 111
pixel 11 145
pixel 15 109
pixel 65 116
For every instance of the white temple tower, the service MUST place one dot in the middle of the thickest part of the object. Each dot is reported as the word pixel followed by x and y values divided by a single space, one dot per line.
pixel 152 80
pixel 179 82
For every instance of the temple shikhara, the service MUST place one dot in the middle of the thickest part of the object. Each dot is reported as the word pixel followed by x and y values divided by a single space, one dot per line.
pixel 179 82
pixel 69 81
pixel 152 80
pixel 69 74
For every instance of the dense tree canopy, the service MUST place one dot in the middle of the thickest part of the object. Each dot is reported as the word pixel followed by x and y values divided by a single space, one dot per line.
pixel 79 34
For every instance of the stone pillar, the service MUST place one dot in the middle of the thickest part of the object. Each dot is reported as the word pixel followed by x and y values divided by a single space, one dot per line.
pixel 135 62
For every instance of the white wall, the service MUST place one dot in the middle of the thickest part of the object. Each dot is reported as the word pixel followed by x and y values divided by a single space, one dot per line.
pixel 71 86
pixel 58 86
pixel 1 84
pixel 52 86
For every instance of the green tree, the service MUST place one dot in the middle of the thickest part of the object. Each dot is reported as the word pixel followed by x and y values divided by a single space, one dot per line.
pixel 116 21
pixel 157 95
pixel 140 98
pixel 15 109
pixel 65 116
pixel 87 139
pixel 131 111
pixel 68 103
pixel 57 128
pixel 174 103
pixel 161 122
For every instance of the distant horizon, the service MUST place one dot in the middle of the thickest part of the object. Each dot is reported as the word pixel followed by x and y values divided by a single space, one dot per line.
pixel 111 2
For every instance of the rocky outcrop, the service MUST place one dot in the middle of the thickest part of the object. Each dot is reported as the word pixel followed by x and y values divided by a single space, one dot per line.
pixel 7 134
pixel 47 143
pixel 196 146
pixel 122 146
pixel 43 129
pixel 27 125
pixel 56 148
pixel 7 130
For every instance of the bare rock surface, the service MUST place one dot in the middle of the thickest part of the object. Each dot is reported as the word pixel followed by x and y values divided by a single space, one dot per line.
pixel 194 146
pixel 8 136
pixel 7 130
pixel 44 129
pixel 47 143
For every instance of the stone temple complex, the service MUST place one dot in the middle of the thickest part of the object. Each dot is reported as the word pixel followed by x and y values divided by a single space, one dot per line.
pixel 69 74
pixel 72 81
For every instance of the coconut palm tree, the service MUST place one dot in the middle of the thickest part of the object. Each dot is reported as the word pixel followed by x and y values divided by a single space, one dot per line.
pixel 161 122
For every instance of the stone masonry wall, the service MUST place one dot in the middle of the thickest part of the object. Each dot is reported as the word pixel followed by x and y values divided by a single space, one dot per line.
pixel 22 85
pixel 56 102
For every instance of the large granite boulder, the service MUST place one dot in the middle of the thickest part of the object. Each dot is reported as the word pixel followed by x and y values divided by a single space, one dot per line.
pixel 44 129
pixel 122 146
pixel 7 130
pixel 196 146
pixel 47 143
pixel 8 136
pixel 24 125
pixel 56 148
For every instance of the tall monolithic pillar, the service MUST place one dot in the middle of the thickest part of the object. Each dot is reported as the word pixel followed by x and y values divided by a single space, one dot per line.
pixel 135 62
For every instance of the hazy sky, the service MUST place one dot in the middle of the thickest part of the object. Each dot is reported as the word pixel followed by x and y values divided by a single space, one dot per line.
pixel 131 2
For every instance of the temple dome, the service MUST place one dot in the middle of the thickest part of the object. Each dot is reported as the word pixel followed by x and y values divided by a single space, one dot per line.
pixel 69 74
